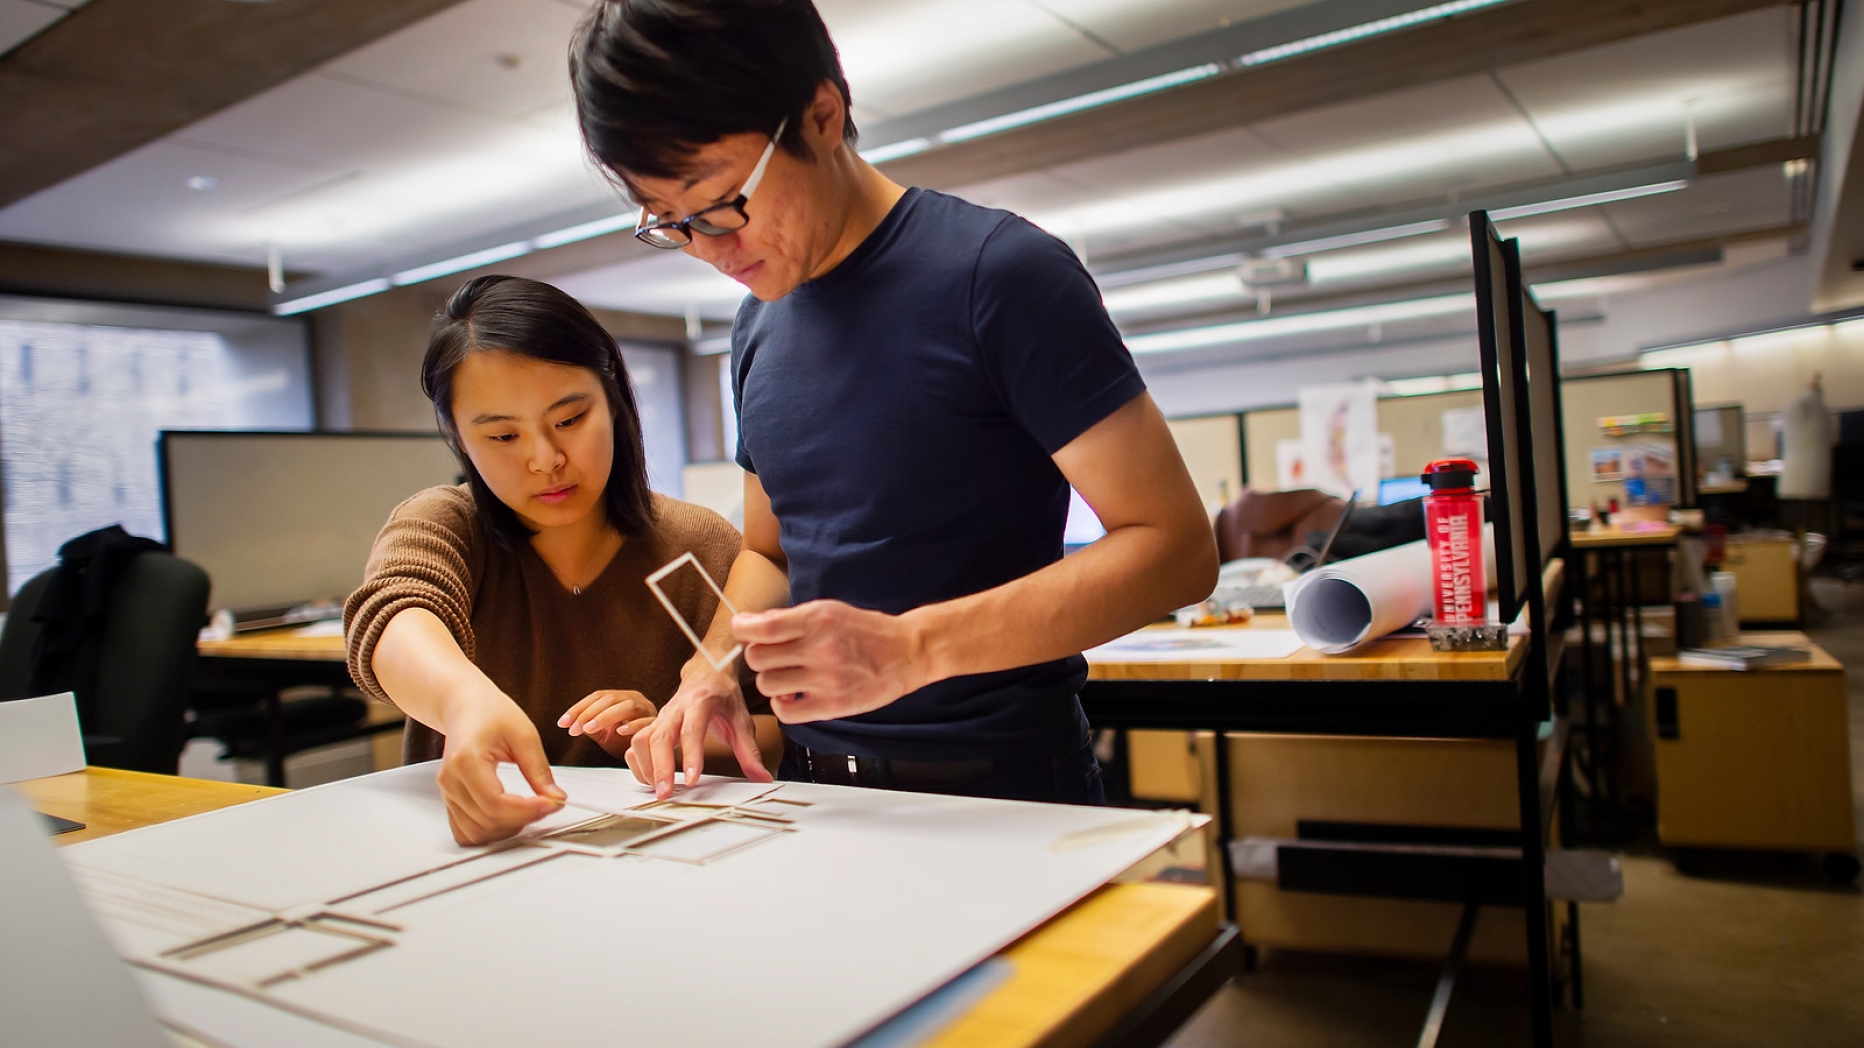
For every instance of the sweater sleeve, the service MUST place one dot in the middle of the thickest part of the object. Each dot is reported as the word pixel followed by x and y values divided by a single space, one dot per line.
pixel 428 556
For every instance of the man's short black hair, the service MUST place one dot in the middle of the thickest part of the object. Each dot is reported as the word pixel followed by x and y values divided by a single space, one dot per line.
pixel 655 80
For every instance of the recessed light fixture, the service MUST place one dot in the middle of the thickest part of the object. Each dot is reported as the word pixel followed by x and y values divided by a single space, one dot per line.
pixel 331 297
pixel 1091 100
pixel 582 231
pixel 1503 214
pixel 202 183
pixel 1376 27
pixel 1370 236
pixel 459 263
pixel 1300 324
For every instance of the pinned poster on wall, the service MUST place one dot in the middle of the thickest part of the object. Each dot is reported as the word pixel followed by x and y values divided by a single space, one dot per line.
pixel 1340 438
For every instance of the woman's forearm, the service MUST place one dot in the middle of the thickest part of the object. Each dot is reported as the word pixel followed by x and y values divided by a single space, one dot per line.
pixel 421 667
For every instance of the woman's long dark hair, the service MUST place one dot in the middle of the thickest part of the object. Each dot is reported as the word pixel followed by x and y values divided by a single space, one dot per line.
pixel 532 319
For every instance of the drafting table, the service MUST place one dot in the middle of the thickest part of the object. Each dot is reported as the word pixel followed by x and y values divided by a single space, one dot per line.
pixel 1390 688
pixel 1125 966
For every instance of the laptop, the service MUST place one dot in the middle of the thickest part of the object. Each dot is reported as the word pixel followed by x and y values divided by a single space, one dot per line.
pixel 1301 559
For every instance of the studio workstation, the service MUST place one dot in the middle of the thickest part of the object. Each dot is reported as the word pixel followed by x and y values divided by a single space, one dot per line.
pixel 931 523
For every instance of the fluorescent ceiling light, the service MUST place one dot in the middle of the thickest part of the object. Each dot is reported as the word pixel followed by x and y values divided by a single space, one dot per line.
pixel 1567 204
pixel 1370 236
pixel 1362 31
pixel 896 150
pixel 1416 387
pixel 331 297
pixel 1357 265
pixel 1091 100
pixel 583 231
pixel 459 263
pixel 1301 324
pixel 709 347
pixel 1209 287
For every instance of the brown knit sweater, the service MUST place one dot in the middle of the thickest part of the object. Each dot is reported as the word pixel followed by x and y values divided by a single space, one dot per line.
pixel 542 645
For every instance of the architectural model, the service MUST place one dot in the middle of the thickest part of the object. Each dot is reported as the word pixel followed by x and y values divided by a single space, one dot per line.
pixel 735 912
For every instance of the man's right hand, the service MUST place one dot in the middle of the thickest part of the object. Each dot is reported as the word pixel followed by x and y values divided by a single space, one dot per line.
pixel 481 736
pixel 707 699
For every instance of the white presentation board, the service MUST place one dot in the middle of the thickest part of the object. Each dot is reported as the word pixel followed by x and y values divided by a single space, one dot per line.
pixel 778 915
pixel 283 518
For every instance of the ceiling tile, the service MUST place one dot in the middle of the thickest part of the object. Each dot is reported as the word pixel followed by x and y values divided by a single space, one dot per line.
pixel 334 123
pixel 1134 24
pixel 140 203
pixel 498 57
pixel 21 20
pixel 902 56
pixel 663 283
pixel 1738 201
pixel 1625 102
pixel 1449 105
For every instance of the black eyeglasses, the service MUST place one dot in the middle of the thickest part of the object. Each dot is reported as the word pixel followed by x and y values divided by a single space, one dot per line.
pixel 714 221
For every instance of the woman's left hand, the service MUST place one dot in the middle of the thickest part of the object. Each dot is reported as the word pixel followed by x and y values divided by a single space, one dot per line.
pixel 610 718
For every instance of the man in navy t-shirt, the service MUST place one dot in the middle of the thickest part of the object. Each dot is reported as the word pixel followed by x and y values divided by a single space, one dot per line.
pixel 918 382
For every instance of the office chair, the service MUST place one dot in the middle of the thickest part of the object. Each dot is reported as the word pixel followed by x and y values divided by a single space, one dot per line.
pixel 134 676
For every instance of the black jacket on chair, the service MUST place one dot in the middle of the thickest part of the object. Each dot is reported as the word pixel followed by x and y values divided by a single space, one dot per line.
pixel 115 622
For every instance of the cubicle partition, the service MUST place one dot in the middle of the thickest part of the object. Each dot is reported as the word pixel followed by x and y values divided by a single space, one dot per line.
pixel 279 519
pixel 1212 446
pixel 1415 423
pixel 1611 418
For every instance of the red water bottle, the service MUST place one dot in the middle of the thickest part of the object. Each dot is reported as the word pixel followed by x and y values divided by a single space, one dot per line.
pixel 1453 527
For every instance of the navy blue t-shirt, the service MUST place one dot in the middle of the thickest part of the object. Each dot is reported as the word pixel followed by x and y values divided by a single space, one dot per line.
pixel 900 412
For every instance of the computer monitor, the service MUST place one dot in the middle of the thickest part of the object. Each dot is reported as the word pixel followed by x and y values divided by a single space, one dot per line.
pixel 1398 489
pixel 279 519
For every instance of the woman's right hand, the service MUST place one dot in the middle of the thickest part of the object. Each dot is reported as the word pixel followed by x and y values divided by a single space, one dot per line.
pixel 482 734
pixel 707 699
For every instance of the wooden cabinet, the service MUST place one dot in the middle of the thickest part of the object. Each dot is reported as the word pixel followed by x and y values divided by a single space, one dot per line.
pixel 1766 579
pixel 1753 759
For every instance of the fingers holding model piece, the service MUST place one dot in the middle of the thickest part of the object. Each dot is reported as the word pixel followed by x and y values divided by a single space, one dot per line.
pixel 478 808
pixel 707 701
pixel 826 659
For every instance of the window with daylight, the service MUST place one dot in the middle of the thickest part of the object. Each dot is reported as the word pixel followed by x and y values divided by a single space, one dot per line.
pixel 85 388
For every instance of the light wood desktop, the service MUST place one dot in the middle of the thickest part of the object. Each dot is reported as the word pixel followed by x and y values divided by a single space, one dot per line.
pixel 275 644
pixel 1391 658
pixel 1613 536
pixel 1075 978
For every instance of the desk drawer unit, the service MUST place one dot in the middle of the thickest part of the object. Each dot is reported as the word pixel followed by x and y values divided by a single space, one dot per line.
pixel 1754 759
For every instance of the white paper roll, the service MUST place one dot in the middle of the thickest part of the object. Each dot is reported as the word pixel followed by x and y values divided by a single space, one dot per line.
pixel 1341 606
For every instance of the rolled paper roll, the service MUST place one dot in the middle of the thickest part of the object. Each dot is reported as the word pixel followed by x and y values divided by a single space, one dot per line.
pixel 1337 608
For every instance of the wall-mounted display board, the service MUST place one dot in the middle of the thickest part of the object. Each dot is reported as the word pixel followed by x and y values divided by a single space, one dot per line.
pixel 1627 425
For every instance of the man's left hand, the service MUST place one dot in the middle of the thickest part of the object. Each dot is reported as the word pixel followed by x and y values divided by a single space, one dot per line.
pixel 825 659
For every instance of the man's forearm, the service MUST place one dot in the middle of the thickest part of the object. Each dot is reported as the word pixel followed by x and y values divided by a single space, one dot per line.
pixel 1128 578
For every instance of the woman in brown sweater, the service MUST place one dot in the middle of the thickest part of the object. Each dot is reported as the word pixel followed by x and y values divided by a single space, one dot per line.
pixel 509 617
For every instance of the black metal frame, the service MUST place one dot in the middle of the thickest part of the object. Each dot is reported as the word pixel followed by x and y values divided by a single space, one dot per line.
pixel 1167 1008
pixel 269 677
pixel 1513 707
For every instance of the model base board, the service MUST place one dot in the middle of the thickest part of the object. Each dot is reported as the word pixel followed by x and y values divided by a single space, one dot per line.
pixel 786 915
